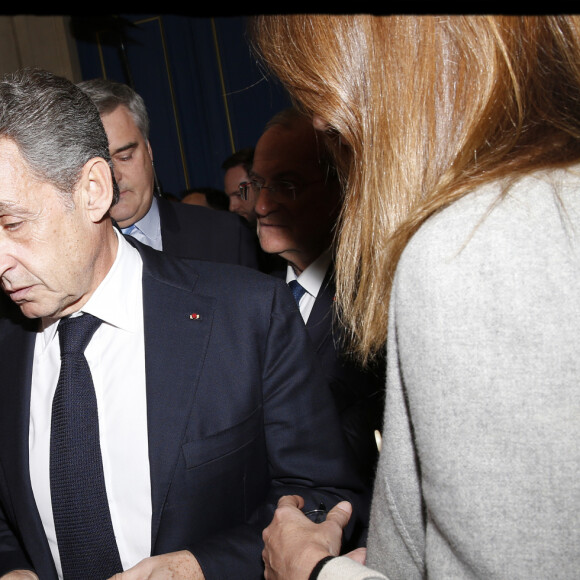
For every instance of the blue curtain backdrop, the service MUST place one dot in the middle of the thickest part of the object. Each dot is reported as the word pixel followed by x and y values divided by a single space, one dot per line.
pixel 204 91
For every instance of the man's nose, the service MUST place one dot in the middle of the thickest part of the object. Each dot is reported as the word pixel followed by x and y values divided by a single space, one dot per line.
pixel 117 172
pixel 235 202
pixel 264 203
pixel 7 260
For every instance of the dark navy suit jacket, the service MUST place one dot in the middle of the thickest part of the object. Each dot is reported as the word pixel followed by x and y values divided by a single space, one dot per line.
pixel 238 415
pixel 359 392
pixel 200 233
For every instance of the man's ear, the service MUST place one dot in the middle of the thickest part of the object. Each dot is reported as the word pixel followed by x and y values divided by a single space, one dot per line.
pixel 96 188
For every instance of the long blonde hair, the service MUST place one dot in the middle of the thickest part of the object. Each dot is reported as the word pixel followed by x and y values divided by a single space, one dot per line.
pixel 428 108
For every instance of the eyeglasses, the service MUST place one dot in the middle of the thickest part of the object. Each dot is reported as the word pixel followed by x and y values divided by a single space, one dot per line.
pixel 280 191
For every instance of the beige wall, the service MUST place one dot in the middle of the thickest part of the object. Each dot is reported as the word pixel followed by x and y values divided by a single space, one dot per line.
pixel 42 41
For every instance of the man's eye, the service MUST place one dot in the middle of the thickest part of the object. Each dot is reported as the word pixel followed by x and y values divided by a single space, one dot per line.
pixel 288 185
pixel 11 226
pixel 124 156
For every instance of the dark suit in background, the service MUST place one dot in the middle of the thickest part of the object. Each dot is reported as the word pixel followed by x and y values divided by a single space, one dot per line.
pixel 298 197
pixel 358 392
pixel 192 231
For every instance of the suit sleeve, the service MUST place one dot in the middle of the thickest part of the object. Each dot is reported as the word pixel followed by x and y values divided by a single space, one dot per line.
pixel 12 557
pixel 305 448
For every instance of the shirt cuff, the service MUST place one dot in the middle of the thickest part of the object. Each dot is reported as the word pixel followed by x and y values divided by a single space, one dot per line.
pixel 344 568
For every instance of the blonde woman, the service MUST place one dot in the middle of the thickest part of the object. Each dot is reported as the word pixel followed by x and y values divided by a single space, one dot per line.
pixel 458 140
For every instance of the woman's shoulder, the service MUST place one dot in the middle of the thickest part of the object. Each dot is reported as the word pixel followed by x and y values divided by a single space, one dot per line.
pixel 502 219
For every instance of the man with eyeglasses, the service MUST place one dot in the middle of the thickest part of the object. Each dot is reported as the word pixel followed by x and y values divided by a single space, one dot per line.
pixel 236 168
pixel 298 199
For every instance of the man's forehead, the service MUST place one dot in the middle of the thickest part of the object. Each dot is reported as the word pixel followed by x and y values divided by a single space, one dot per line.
pixel 13 168
pixel 286 168
pixel 9 150
pixel 282 149
pixel 233 177
pixel 22 193
pixel 236 172
pixel 120 127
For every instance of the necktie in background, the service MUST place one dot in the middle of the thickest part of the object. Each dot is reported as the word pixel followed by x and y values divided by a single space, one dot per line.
pixel 297 290
pixel 86 540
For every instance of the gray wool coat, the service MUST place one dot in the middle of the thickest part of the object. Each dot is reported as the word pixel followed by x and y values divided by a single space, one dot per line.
pixel 479 474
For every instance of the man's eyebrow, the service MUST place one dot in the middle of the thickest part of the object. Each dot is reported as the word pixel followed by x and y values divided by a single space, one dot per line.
pixel 280 176
pixel 131 145
pixel 15 209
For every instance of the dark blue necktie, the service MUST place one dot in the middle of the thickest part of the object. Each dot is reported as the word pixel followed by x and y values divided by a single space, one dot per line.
pixel 297 290
pixel 86 540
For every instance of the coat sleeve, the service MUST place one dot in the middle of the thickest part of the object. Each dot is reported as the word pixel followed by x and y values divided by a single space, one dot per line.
pixel 344 568
pixel 12 556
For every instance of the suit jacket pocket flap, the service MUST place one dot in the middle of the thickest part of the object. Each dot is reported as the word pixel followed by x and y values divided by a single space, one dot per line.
pixel 223 443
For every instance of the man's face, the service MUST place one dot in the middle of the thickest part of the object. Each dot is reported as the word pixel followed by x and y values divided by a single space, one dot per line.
pixel 133 165
pixel 232 179
pixel 299 230
pixel 48 250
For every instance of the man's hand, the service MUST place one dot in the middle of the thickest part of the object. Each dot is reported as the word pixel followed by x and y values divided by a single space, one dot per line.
pixel 293 544
pixel 19 575
pixel 175 566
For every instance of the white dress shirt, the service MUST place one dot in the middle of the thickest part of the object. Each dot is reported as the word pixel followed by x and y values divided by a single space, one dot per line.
pixel 148 228
pixel 116 357
pixel 311 280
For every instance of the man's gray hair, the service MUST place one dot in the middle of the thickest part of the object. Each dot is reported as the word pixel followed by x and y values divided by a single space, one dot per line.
pixel 55 125
pixel 108 95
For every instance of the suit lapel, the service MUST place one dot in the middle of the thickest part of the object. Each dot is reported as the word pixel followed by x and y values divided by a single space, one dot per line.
pixel 175 344
pixel 319 323
pixel 170 237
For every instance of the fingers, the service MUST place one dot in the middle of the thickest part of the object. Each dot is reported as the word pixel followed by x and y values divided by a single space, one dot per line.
pixel 286 504
pixel 340 514
pixel 293 544
pixel 291 501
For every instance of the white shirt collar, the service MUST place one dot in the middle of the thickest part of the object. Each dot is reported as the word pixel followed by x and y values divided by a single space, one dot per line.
pixel 149 226
pixel 113 300
pixel 312 277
